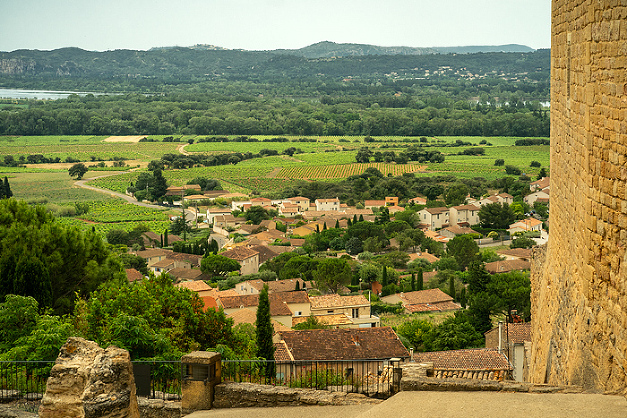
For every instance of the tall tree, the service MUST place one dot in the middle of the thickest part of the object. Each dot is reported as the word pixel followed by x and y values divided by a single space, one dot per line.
pixel 6 192
pixel 463 249
pixel 332 273
pixel 78 170
pixel 265 347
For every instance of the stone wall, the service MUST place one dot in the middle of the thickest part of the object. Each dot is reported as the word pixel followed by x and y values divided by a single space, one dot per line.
pixel 243 395
pixel 579 305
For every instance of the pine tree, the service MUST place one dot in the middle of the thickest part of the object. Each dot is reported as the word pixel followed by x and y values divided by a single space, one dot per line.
pixel 265 347
pixel 419 280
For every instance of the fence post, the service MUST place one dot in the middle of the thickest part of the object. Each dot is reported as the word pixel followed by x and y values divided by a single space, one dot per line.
pixel 201 372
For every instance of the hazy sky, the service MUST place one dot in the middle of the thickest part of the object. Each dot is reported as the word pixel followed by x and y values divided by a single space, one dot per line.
pixel 270 24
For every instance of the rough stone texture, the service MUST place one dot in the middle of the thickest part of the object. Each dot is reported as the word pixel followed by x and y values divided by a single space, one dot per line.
pixel 467 385
pixel 202 373
pixel 88 381
pixel 243 395
pixel 579 305
pixel 419 370
pixel 8 412
pixel 158 408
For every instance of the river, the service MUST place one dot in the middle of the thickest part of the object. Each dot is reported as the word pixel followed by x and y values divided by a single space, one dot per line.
pixel 39 94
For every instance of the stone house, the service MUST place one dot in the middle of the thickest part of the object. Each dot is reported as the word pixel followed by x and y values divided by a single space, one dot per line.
pixel 253 287
pixel 434 218
pixel 505 266
pixel 283 305
pixel 300 351
pixel 455 230
pixel 328 204
pixel 464 214
pixel 373 204
pixel 423 301
pixel 418 200
pixel 247 258
pixel 289 209
pixel 302 202
pixel 540 196
pixel 543 184
pixel 355 307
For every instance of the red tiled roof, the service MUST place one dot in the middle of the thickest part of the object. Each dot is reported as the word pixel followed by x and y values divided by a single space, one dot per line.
pixel 239 253
pixel 278 301
pixel 506 266
pixel 516 333
pixel 133 275
pixel 425 296
pixel 344 344
pixel 472 359
pixel 337 301
pixel 195 285
pixel 435 211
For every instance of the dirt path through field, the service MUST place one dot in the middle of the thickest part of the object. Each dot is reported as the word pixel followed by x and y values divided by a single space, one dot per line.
pixel 274 172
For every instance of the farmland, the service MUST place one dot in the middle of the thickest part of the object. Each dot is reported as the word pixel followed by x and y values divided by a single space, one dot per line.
pixel 327 159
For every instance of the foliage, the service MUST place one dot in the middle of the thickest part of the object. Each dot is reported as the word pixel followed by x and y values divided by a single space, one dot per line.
pixel 265 347
pixel 78 170
pixel 414 331
pixel 455 333
pixel 310 323
pixel 39 257
pixel 151 318
pixel 463 249
pixel 522 242
pixel 332 273
pixel 496 216
pixel 218 265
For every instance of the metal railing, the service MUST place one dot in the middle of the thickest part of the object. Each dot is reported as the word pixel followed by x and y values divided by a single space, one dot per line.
pixel 372 377
pixel 26 380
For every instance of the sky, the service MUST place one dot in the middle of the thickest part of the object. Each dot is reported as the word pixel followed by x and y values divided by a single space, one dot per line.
pixel 101 25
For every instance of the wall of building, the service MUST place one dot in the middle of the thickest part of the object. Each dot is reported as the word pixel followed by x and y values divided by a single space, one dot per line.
pixel 579 305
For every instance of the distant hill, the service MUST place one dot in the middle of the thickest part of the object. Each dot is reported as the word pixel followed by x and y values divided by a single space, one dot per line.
pixel 328 49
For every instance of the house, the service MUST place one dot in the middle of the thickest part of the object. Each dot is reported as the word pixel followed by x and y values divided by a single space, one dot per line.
pixel 540 196
pixel 249 316
pixel 289 209
pixel 328 204
pixel 424 255
pixel 133 275
pixel 456 230
pixel 181 190
pixel 260 201
pixel 497 198
pixel 184 274
pixel 227 221
pixel 213 212
pixel 340 320
pixel 476 363
pixel 418 201
pixel 525 225
pixel 198 286
pixel 247 258
pixel 395 209
pixel 543 184
pixel 355 307
pixel 283 305
pixel 373 204
pixel 301 202
pixel 512 339
pixel 435 218
pixel 343 344
pixel 253 287
pixel 516 254
pixel 152 256
pixel 464 214
pixel 423 301
pixel 505 266
pixel 391 201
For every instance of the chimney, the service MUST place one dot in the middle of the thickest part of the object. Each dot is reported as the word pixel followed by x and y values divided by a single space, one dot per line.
pixel 500 337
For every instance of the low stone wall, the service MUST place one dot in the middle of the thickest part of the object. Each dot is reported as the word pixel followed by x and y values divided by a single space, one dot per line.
pixel 158 408
pixel 242 395
pixel 497 375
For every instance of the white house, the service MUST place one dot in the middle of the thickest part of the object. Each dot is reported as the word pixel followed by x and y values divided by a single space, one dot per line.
pixel 435 218
pixel 328 204
pixel 468 214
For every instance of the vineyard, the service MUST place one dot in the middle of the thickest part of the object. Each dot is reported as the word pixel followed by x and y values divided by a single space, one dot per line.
pixel 345 170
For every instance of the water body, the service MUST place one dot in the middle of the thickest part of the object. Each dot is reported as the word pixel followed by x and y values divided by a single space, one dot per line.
pixel 39 94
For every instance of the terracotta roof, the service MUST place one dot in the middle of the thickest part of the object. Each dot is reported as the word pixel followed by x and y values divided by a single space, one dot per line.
pixel 506 266
pixel 374 203
pixel 327 200
pixel 425 296
pixel 467 207
pixel 265 253
pixel 425 256
pixel 133 275
pixel 523 253
pixel 298 198
pixel 249 316
pixel 195 285
pixel 432 307
pixel 459 230
pixel 542 183
pixel 239 253
pixel 166 262
pixel 472 359
pixel 435 211
pixel 325 319
pixel 219 210
pixel 336 301
pixel 209 302
pixel 516 333
pixel 344 344
pixel 155 252
pixel 506 195
pixel 281 352
pixel 186 274
pixel 286 285
pixel 278 301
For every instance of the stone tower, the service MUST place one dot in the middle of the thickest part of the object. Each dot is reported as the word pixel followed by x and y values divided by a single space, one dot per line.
pixel 579 300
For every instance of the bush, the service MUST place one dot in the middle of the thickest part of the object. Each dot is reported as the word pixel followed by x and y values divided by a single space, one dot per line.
pixel 499 162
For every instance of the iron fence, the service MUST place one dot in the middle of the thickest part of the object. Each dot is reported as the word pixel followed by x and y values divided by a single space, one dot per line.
pixel 372 377
pixel 23 380
pixel 26 380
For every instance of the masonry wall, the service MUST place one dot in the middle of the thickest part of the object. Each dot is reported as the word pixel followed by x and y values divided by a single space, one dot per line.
pixel 579 305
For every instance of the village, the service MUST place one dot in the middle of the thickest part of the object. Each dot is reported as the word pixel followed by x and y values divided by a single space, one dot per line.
pixel 345 313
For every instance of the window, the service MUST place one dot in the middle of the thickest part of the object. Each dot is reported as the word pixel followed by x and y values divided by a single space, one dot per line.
pixel 330 311
pixel 355 312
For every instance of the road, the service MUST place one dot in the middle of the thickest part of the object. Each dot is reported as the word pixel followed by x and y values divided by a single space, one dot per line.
pixel 190 214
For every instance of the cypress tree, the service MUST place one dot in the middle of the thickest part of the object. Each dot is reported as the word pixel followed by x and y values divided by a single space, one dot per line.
pixel 451 287
pixel 165 238
pixel 265 348
pixel 419 280
pixel 348 222
pixel 337 224
pixel 297 285
pixel 161 240
pixel 355 218
pixel 462 298
pixel 324 228
pixel 361 218
pixel 384 276
pixel 6 192
pixel 413 282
